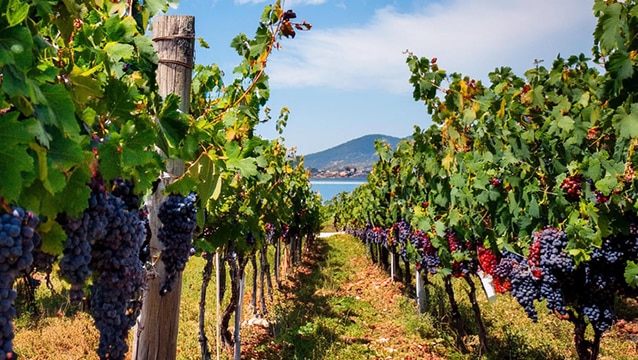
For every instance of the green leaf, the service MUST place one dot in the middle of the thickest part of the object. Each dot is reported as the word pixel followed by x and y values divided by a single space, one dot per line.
pixel 566 123
pixel 120 30
pixel 533 208
pixel 118 51
pixel 247 167
pixel 620 66
pixel 17 11
pixel 155 6
pixel 609 27
pixel 631 274
pixel 627 124
pixel 440 228
pixel 53 237
pixel 173 123
pixel 607 184
pixel 60 108
pixel 15 47
pixel 14 160
pixel 84 86
pixel 74 197
pixel 14 82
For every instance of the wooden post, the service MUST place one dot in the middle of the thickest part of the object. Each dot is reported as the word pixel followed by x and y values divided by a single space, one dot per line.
pixel 420 292
pixel 157 327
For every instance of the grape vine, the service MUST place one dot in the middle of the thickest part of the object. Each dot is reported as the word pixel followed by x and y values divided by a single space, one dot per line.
pixel 538 170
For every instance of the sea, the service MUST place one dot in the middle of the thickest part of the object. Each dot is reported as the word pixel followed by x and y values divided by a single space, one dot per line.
pixel 328 188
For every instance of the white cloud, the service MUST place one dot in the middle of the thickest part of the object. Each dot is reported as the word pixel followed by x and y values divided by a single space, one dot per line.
pixel 469 36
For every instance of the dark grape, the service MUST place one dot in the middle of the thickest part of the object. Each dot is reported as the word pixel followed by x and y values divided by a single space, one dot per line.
pixel 402 230
pixel 115 294
pixel 178 215
pixel 429 258
pixel 74 265
pixel 125 190
pixel 525 288
pixel 17 232
pixel 553 258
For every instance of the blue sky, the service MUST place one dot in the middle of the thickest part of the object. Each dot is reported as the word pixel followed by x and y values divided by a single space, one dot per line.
pixel 347 77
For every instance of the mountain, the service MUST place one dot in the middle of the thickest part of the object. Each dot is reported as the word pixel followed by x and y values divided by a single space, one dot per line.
pixel 352 158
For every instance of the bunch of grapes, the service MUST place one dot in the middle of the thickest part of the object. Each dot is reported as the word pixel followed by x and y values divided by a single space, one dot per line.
pixel 525 288
pixel 74 265
pixel 178 215
pixel 460 268
pixel 377 236
pixel 502 271
pixel 17 235
pixel 115 294
pixel 429 258
pixel 553 258
pixel 573 187
pixel 270 233
pixel 81 234
pixel 125 190
pixel 487 259
pixel 550 273
pixel 402 230
pixel 145 251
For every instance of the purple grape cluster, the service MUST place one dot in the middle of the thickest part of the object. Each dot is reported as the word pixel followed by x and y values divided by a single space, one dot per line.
pixel 17 241
pixel 116 291
pixel 125 190
pixel 402 231
pixel 178 215
pixel 525 288
pixel 81 233
pixel 74 265
pixel 588 288
pixel 270 233
pixel 429 259
pixel 106 242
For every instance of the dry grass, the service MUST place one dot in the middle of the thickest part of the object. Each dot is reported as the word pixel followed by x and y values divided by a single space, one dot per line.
pixel 58 338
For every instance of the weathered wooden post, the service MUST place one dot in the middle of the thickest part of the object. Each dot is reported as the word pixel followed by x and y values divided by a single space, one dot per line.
pixel 157 327
pixel 420 292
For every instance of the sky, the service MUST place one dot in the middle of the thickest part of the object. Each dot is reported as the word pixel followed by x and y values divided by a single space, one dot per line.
pixel 347 77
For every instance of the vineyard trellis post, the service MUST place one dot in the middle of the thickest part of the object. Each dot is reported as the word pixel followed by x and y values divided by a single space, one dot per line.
pixel 420 292
pixel 157 327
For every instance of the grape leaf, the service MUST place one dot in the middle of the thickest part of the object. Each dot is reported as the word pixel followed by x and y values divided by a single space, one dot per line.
pixel 60 108
pixel 247 166
pixel 627 123
pixel 53 237
pixel 118 51
pixel 17 11
pixel 173 123
pixel 14 81
pixel 15 45
pixel 14 159
pixel 75 194
pixel 84 85
pixel 631 274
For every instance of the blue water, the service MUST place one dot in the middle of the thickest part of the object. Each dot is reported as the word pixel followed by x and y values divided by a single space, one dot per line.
pixel 328 188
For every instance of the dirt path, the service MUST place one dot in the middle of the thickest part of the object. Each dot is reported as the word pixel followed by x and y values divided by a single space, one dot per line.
pixel 341 306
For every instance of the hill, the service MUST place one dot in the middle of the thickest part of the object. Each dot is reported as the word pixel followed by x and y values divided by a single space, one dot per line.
pixel 352 158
